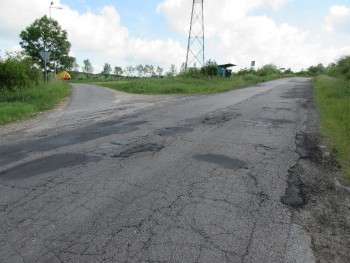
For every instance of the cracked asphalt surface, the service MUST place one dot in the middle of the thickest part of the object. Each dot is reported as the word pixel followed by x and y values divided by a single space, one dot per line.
pixel 201 178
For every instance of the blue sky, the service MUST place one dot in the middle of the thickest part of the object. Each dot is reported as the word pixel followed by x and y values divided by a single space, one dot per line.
pixel 287 33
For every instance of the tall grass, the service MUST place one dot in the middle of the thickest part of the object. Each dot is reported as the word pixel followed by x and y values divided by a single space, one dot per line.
pixel 182 85
pixel 24 103
pixel 333 102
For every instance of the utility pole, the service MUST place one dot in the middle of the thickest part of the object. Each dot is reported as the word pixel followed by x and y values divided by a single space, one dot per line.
pixel 55 7
pixel 195 47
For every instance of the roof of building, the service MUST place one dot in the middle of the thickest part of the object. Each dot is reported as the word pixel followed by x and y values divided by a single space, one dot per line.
pixel 227 65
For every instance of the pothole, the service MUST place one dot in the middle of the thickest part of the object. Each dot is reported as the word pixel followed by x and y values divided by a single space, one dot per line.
pixel 222 160
pixel 293 196
pixel 148 147
pixel 172 131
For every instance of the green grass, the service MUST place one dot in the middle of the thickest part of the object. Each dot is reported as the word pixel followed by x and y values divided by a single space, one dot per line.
pixel 25 103
pixel 333 102
pixel 182 85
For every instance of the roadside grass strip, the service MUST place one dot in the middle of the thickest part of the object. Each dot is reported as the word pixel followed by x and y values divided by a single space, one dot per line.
pixel 183 85
pixel 24 103
pixel 333 103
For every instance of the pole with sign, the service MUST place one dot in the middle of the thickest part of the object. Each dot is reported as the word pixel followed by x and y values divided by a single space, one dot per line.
pixel 45 56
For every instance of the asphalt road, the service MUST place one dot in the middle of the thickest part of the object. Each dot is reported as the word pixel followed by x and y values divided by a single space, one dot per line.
pixel 176 179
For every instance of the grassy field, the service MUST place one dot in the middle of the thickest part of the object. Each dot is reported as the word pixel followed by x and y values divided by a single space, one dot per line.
pixel 333 102
pixel 27 102
pixel 181 85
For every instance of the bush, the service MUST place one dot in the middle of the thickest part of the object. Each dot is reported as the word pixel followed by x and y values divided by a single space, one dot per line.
pixel 269 69
pixel 343 66
pixel 18 73
pixel 210 68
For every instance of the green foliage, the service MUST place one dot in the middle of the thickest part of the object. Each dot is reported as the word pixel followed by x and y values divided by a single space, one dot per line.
pixel 118 70
pixel 333 103
pixel 246 71
pixel 46 34
pixel 17 73
pixel 24 103
pixel 209 68
pixel 87 68
pixel 106 70
pixel 191 73
pixel 182 84
pixel 316 70
pixel 343 66
pixel 269 69
pixel 172 71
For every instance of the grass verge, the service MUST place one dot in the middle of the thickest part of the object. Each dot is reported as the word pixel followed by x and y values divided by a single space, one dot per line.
pixel 333 102
pixel 25 103
pixel 182 85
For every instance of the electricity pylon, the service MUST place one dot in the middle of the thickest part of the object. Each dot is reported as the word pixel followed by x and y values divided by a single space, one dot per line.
pixel 195 48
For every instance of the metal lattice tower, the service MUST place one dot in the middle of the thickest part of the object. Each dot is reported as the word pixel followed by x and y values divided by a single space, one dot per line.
pixel 195 48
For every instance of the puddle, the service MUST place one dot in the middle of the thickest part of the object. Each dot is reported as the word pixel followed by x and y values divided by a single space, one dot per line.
pixel 221 160
pixel 44 165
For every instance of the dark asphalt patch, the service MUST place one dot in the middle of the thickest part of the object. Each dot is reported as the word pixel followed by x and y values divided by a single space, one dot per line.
pixel 215 117
pixel 293 195
pixel 172 131
pixel 148 147
pixel 219 117
pixel 19 151
pixel 300 92
pixel 221 160
pixel 44 165
pixel 266 122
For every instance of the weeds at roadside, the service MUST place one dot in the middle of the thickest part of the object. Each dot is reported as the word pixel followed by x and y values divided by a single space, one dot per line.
pixel 333 102
pixel 24 103
pixel 182 85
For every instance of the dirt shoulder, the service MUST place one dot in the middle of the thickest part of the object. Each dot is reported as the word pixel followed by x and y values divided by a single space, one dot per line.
pixel 325 213
pixel 23 124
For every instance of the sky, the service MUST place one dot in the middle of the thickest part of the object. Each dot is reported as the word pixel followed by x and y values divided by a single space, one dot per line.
pixel 288 33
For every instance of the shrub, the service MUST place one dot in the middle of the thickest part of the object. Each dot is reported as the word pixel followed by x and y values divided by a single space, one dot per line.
pixel 18 73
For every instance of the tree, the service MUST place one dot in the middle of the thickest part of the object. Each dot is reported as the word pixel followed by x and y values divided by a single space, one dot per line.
pixel 182 68
pixel 106 70
pixel 129 71
pixel 87 68
pixel 140 70
pixel 172 71
pixel 46 34
pixel 118 70
pixel 343 66
pixel 317 70
pixel 159 71
pixel 268 69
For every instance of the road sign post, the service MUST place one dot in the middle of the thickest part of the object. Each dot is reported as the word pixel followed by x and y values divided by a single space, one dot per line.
pixel 45 56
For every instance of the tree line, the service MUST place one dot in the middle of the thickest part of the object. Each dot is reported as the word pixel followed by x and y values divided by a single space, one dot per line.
pixel 140 70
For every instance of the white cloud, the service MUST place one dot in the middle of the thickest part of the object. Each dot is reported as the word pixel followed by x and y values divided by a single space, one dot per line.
pixel 17 14
pixel 99 36
pixel 338 19
pixel 234 34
